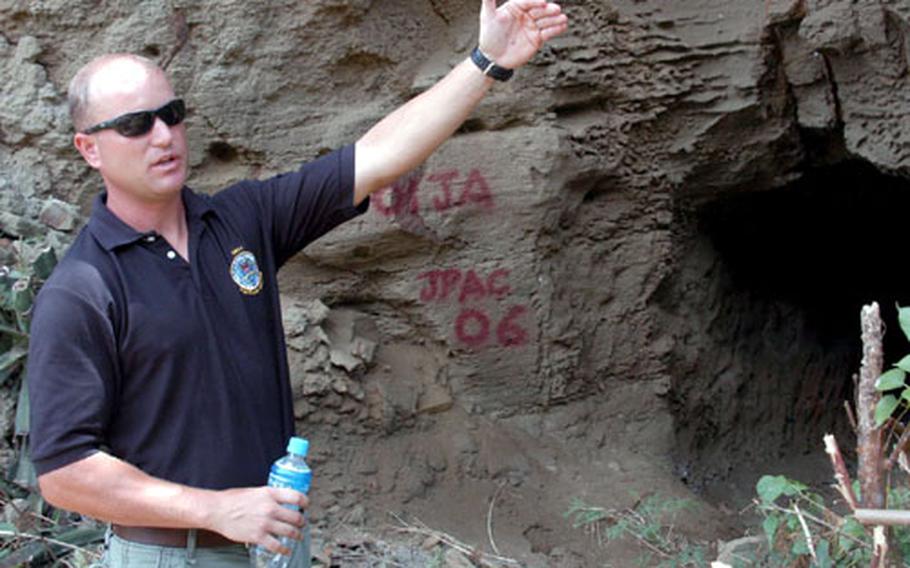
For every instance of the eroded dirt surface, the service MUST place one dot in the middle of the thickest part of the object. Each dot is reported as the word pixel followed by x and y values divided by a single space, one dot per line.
pixel 562 302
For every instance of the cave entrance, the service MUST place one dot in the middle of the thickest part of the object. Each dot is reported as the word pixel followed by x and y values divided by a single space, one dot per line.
pixel 765 306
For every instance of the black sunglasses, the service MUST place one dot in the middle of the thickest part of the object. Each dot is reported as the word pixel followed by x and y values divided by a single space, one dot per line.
pixel 141 122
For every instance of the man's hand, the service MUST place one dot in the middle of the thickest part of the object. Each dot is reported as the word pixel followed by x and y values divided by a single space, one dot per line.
pixel 511 34
pixel 257 515
pixel 109 489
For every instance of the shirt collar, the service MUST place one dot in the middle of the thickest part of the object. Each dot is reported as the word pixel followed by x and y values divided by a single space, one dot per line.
pixel 112 232
pixel 196 205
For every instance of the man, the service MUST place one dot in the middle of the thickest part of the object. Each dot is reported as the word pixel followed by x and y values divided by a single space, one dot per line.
pixel 157 371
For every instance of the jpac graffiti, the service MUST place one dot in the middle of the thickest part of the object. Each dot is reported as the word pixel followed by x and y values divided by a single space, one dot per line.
pixel 474 325
pixel 446 189
pixel 441 283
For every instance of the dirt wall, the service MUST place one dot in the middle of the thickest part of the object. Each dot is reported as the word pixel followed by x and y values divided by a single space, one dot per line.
pixel 521 309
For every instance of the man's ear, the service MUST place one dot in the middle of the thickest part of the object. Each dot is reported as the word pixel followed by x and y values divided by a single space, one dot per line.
pixel 86 145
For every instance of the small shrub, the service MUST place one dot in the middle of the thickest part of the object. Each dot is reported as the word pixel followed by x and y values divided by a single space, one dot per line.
pixel 803 531
pixel 34 534
pixel 651 523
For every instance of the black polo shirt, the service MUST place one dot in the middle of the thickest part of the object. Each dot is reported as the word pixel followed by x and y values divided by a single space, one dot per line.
pixel 176 367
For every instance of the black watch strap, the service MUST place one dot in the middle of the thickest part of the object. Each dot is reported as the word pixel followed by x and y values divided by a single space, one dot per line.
pixel 489 68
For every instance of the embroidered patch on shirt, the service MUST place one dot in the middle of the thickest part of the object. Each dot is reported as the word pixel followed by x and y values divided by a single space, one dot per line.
pixel 245 272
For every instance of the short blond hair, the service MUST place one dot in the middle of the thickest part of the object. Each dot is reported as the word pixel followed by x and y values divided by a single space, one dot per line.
pixel 79 90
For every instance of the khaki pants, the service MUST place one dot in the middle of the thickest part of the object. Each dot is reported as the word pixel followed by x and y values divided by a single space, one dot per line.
pixel 122 553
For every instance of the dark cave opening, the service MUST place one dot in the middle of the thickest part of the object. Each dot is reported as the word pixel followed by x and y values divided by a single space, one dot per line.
pixel 828 243
pixel 767 300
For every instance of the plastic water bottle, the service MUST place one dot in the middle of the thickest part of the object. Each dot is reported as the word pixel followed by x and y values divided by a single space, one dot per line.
pixel 291 472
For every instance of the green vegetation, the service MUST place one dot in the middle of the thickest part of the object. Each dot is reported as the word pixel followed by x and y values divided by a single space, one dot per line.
pixel 31 532
pixel 803 531
pixel 650 522
pixel 894 383
pixel 800 528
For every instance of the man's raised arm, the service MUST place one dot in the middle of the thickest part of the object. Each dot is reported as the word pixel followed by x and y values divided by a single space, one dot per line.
pixel 510 35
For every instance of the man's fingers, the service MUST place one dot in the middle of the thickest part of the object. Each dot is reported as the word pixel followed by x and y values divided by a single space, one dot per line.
pixel 489 6
pixel 550 9
pixel 290 517
pixel 271 544
pixel 276 528
pixel 290 497
pixel 528 5
pixel 545 23
pixel 547 34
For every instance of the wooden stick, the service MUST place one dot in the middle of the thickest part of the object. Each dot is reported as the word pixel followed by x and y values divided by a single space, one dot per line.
pixel 869 436
pixel 490 517
pixel 898 448
pixel 806 532
pixel 879 547
pixel 882 517
pixel 844 484
pixel 822 523
pixel 484 560
pixel 851 417
pixel 73 547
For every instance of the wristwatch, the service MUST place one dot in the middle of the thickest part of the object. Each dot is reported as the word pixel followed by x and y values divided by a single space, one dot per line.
pixel 488 67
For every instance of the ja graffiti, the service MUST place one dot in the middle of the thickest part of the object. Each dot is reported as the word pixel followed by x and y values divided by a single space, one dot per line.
pixel 445 189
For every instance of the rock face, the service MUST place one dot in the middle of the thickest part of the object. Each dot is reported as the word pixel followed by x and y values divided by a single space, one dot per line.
pixel 553 301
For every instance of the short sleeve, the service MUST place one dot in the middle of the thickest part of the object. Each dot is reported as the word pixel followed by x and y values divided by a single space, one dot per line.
pixel 71 376
pixel 305 204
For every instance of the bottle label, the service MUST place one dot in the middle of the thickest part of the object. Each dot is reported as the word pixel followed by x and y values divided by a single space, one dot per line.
pixel 297 480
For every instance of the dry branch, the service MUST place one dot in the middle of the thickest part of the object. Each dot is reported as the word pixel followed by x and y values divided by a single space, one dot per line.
pixel 821 523
pixel 851 416
pixel 880 547
pixel 806 532
pixel 882 517
pixel 48 540
pixel 844 484
pixel 490 518
pixel 479 558
pixel 899 448
pixel 869 436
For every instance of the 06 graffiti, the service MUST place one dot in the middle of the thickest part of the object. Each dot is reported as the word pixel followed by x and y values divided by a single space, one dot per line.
pixel 474 326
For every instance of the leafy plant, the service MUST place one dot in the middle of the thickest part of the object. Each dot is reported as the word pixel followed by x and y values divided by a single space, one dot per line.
pixel 895 380
pixel 650 522
pixel 48 544
pixel 38 535
pixel 802 530
pixel 18 287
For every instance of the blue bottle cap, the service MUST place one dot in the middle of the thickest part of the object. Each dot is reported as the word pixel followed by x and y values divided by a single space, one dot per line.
pixel 298 446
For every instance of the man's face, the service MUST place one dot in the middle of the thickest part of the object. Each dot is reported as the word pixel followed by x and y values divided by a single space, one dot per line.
pixel 151 167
